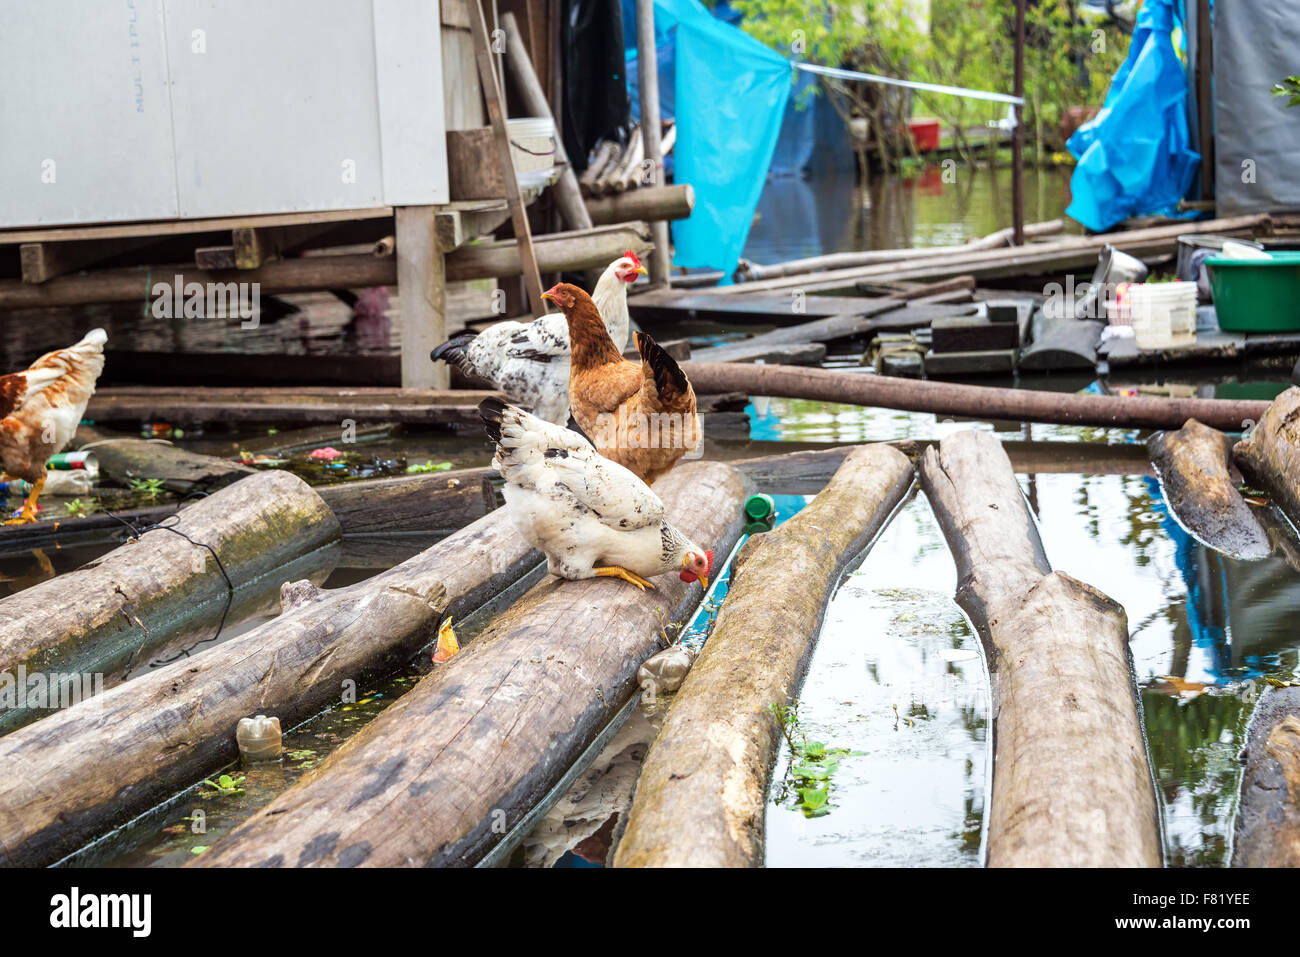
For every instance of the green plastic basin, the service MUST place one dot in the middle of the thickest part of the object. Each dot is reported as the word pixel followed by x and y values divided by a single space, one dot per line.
pixel 1256 296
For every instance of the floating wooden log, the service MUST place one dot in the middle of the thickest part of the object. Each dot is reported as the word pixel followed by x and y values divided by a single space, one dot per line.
pixel 673 305
pixel 1269 455
pixel 702 795
pixel 100 617
pixel 1194 464
pixel 1267 829
pixel 1072 786
pixel 983 402
pixel 125 459
pixel 97 764
pixel 447 770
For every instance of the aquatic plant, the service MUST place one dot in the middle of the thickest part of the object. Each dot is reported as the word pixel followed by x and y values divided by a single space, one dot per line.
pixel 429 466
pixel 807 783
pixel 223 785
pixel 149 488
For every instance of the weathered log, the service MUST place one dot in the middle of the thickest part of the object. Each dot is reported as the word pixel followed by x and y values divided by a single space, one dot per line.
pixel 701 798
pixel 434 502
pixel 100 617
pixel 1269 455
pixel 125 459
pixel 95 765
pixel 1267 829
pixel 649 204
pixel 1193 464
pixel 950 398
pixel 1072 786
pixel 440 776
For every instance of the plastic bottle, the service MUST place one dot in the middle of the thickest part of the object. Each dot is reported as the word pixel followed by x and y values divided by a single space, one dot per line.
pixel 259 739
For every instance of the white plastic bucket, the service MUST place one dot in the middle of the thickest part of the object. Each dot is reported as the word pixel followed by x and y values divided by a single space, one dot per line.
pixel 1163 313
pixel 532 143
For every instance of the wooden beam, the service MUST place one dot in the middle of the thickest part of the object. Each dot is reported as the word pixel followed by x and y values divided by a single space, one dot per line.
pixel 649 203
pixel 180 227
pixel 651 130
pixel 519 216
pixel 43 261
pixel 422 296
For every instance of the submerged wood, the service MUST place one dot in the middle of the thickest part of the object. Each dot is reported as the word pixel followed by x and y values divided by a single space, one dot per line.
pixel 1072 786
pixel 128 603
pixel 444 773
pixel 1267 829
pixel 1269 455
pixel 93 766
pixel 983 402
pixel 126 459
pixel 702 794
pixel 1194 463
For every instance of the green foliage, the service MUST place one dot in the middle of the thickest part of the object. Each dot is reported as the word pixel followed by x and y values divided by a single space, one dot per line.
pixel 966 43
pixel 223 785
pixel 76 508
pixel 808 782
pixel 429 466
pixel 1289 87
pixel 149 488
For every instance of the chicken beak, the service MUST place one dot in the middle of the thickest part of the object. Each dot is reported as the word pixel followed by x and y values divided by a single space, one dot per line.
pixel 641 271
pixel 547 295
pixel 704 580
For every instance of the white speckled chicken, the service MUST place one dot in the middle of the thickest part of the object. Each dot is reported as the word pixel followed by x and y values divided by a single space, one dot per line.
pixel 590 516
pixel 42 407
pixel 529 361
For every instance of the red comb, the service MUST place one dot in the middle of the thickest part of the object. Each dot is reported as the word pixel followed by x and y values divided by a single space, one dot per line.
pixel 632 256
pixel 708 553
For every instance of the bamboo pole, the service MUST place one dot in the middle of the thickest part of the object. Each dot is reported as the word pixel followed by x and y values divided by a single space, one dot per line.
pixel 949 398
pixel 93 766
pixel 702 794
pixel 441 776
pixel 651 130
pixel 1072 786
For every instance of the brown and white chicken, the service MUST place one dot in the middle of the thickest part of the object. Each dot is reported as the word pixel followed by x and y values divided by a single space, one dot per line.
pixel 41 408
pixel 638 414
pixel 529 361
pixel 591 517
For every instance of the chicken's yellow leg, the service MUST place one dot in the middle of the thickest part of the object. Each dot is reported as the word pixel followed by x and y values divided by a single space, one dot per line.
pixel 615 571
pixel 29 507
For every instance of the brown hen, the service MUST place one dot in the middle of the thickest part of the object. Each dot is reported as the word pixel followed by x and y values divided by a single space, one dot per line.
pixel 638 414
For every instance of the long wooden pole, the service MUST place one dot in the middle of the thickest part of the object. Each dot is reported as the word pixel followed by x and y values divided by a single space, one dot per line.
pixel 984 402
pixel 651 131
pixel 1018 135
pixel 567 193
pixel 496 114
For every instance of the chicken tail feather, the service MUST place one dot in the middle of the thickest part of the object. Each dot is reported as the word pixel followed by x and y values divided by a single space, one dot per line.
pixel 12 389
pixel 453 350
pixel 669 378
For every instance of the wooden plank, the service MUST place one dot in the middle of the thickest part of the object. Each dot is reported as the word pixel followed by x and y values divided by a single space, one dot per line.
pixel 42 261
pixel 178 227
pixel 1072 786
pixel 109 759
pixel 703 791
pixel 460 222
pixel 492 96
pixel 422 296
pixel 475 745
pixel 557 252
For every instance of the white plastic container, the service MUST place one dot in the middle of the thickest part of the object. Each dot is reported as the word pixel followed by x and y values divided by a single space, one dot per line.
pixel 532 143
pixel 1163 313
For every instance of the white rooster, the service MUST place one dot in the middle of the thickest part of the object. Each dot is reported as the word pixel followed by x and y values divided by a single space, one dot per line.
pixel 529 361
pixel 590 516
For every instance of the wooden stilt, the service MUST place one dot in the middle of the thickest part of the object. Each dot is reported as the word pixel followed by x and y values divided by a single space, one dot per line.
pixel 422 292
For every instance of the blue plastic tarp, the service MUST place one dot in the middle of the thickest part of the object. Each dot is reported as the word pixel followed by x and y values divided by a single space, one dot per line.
pixel 729 97
pixel 1135 156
